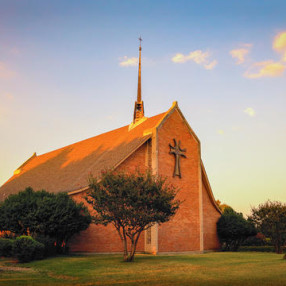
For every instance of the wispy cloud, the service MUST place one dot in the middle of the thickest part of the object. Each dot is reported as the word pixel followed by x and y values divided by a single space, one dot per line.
pixel 265 69
pixel 5 73
pixel 279 44
pixel 211 65
pixel 198 56
pixel 250 111
pixel 128 62
pixel 240 54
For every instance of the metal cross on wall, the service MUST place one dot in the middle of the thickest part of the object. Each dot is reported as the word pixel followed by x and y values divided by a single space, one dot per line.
pixel 178 152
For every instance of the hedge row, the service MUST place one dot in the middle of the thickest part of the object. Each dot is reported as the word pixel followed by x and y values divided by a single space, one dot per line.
pixel 260 248
pixel 24 248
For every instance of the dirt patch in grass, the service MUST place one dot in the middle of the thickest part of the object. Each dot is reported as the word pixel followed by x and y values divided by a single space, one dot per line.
pixel 18 269
pixel 63 277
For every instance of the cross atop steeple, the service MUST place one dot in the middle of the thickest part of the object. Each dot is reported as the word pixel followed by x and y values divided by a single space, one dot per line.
pixel 140 39
pixel 139 106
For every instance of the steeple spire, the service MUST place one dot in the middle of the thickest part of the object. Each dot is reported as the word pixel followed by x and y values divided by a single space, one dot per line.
pixel 139 106
pixel 139 73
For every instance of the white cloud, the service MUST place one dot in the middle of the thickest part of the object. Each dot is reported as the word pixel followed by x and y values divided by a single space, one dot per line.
pixel 211 65
pixel 279 44
pixel 265 69
pixel 240 54
pixel 250 111
pixel 179 58
pixel 198 56
pixel 128 62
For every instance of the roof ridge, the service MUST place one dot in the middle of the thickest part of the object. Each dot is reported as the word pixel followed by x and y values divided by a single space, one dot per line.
pixel 101 134
pixel 18 170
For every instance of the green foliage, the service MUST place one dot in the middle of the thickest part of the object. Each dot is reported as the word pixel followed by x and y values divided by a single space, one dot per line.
pixel 18 212
pixel 26 249
pixel 6 247
pixel 233 229
pixel 270 219
pixel 41 213
pixel 60 218
pixel 222 207
pixel 49 243
pixel 132 203
pixel 259 248
pixel 258 240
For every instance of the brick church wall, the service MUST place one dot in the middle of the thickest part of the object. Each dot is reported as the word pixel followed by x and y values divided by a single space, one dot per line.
pixel 182 233
pixel 98 238
pixel 211 216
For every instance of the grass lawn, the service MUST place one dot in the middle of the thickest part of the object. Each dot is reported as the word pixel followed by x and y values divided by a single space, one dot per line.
pixel 242 268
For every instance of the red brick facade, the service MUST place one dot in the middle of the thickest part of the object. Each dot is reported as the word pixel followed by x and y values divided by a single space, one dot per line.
pixel 99 238
pixel 193 228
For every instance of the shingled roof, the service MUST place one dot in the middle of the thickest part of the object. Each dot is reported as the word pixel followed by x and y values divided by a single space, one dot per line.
pixel 67 169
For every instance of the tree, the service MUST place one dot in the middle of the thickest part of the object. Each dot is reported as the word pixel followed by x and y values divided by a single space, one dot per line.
pixel 43 214
pixel 233 229
pixel 221 206
pixel 132 203
pixel 270 219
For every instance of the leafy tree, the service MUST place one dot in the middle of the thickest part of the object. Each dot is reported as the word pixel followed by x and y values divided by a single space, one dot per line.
pixel 270 219
pixel 132 203
pixel 17 212
pixel 233 229
pixel 221 206
pixel 43 214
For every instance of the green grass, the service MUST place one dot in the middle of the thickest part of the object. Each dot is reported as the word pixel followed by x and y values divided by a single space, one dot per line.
pixel 242 268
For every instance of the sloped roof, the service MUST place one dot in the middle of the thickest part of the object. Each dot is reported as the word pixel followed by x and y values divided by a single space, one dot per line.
pixel 67 169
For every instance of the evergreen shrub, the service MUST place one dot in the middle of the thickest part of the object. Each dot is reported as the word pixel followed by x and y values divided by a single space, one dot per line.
pixel 26 249
pixel 49 244
pixel 260 248
pixel 6 247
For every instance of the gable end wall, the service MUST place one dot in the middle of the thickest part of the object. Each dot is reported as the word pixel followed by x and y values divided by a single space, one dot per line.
pixel 182 232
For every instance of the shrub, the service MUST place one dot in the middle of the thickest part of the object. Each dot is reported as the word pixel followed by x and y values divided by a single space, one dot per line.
pixel 259 248
pixel 26 249
pixel 270 219
pixel 49 245
pixel 41 213
pixel 6 247
pixel 258 240
pixel 233 229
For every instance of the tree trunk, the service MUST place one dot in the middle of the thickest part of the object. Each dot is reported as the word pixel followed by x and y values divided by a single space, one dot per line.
pixel 125 250
pixel 278 248
pixel 133 248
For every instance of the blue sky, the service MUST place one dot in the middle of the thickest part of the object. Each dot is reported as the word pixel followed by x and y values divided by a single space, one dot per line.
pixel 68 71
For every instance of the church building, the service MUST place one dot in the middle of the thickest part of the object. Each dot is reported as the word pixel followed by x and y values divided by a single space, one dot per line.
pixel 164 143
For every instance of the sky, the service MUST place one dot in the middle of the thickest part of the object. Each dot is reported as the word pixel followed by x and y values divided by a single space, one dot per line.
pixel 68 71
